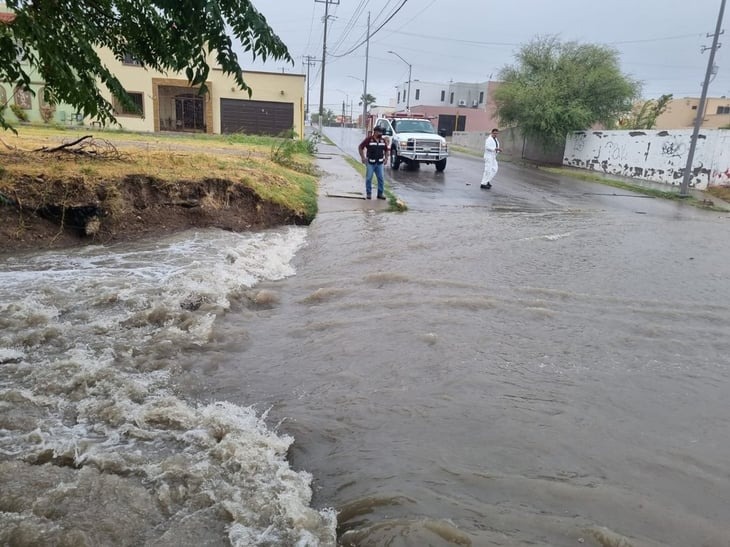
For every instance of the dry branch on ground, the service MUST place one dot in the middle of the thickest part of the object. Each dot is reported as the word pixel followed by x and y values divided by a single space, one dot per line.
pixel 86 146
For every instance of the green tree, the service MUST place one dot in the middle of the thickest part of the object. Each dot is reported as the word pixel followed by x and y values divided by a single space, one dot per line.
pixel 644 115
pixel 328 117
pixel 559 87
pixel 58 39
pixel 368 98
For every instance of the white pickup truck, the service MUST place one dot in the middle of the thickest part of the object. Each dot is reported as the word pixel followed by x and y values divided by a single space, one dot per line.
pixel 413 141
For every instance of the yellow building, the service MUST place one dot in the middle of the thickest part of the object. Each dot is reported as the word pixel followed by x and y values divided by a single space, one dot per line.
pixel 681 113
pixel 168 103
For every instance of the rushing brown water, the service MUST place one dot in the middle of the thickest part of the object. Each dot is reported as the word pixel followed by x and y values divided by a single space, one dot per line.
pixel 546 368
pixel 471 376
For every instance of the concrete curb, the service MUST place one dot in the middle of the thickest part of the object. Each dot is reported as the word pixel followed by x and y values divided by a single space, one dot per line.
pixel 341 187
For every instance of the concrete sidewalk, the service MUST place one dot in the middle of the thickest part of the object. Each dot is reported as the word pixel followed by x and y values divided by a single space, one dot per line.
pixel 341 187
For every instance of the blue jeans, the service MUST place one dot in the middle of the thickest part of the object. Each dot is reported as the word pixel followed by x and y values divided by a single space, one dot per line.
pixel 376 168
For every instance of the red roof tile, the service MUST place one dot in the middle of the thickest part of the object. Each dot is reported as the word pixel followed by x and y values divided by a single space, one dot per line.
pixel 6 17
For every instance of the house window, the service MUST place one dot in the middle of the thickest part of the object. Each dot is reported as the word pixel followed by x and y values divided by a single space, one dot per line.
pixel 23 98
pixel 443 95
pixel 398 101
pixel 694 107
pixel 723 109
pixel 418 94
pixel 481 97
pixel 451 98
pixel 137 99
pixel 130 59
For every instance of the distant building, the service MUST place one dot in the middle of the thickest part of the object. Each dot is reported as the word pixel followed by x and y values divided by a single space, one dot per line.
pixel 453 106
pixel 167 102
pixel 682 113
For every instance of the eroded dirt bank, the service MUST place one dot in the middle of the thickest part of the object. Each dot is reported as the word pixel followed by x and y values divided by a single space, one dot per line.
pixel 77 196
pixel 54 213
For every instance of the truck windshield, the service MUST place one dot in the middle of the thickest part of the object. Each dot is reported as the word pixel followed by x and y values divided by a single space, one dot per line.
pixel 414 126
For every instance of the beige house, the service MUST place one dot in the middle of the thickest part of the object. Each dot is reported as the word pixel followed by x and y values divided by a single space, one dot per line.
pixel 168 103
pixel 681 113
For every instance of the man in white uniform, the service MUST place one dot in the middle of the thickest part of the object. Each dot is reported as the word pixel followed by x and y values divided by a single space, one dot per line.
pixel 491 149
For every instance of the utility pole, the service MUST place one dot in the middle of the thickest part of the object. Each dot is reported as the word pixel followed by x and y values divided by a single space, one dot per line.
pixel 324 55
pixel 309 62
pixel 684 188
pixel 365 82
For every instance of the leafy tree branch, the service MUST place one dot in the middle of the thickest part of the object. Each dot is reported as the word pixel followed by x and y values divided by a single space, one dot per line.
pixel 60 39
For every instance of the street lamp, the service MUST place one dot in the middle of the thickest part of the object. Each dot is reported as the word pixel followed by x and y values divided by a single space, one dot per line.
pixel 364 104
pixel 408 96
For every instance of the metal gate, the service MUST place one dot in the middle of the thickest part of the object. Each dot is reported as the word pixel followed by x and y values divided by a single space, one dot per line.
pixel 256 117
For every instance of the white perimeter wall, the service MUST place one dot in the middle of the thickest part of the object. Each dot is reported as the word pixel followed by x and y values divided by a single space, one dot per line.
pixel 659 156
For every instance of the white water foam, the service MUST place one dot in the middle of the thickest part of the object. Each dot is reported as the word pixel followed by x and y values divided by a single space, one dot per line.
pixel 82 389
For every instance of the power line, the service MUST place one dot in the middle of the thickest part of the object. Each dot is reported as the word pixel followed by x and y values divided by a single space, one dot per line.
pixel 351 23
pixel 647 40
pixel 353 48
pixel 311 26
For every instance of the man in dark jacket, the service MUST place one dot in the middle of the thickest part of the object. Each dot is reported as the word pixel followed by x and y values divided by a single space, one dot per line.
pixel 374 151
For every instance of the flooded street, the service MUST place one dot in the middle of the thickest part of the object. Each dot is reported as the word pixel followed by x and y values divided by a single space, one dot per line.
pixel 545 363
pixel 535 365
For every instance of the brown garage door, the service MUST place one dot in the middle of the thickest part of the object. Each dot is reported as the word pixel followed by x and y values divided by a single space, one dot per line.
pixel 256 117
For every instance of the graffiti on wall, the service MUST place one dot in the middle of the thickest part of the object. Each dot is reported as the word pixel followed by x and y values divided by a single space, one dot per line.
pixel 659 156
pixel 615 151
pixel 580 141
pixel 673 149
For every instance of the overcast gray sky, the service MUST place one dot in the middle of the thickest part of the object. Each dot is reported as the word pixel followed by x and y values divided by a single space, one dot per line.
pixel 659 41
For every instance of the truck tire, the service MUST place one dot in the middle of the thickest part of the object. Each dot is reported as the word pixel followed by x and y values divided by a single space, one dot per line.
pixel 394 160
pixel 441 165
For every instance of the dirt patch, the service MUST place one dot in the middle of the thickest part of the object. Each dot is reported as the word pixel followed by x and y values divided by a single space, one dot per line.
pixel 42 212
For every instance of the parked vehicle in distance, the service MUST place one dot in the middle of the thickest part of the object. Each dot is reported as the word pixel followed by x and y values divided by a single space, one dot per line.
pixel 413 140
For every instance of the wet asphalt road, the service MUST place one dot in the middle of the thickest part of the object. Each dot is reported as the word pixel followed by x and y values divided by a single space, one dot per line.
pixel 515 188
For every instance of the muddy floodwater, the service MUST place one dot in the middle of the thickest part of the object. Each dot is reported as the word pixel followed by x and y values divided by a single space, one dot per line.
pixel 543 364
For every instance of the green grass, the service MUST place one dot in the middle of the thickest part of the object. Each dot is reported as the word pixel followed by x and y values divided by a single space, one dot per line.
pixel 280 170
pixel 394 202
pixel 645 190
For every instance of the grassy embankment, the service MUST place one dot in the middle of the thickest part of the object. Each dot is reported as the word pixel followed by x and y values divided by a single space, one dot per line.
pixel 115 171
pixel 278 170
pixel 720 192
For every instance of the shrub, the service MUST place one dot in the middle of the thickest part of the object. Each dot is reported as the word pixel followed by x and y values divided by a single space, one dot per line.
pixel 283 153
pixel 20 113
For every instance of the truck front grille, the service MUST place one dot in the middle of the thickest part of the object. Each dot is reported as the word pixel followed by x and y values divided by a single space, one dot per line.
pixel 424 145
